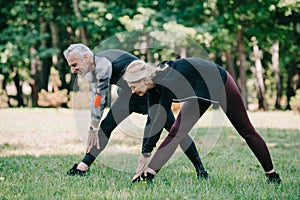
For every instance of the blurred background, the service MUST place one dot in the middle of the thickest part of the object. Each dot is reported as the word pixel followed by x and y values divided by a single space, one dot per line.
pixel 257 41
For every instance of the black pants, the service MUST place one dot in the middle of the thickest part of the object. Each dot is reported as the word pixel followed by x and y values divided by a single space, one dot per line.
pixel 119 111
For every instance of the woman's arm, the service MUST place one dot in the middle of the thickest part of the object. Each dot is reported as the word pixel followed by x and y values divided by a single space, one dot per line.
pixel 159 105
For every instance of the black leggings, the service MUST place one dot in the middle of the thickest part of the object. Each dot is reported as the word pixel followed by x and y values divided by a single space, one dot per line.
pixel 119 111
pixel 234 108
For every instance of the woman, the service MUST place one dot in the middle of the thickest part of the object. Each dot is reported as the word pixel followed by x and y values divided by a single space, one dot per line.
pixel 199 83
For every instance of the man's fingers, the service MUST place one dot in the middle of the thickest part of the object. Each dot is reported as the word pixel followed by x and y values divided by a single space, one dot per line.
pixel 89 143
pixel 93 141
pixel 98 143
pixel 88 149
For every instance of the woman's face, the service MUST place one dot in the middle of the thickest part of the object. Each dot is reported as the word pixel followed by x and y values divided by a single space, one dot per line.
pixel 140 87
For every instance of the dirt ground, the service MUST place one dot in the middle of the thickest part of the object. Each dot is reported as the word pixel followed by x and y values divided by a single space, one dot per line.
pixel 62 131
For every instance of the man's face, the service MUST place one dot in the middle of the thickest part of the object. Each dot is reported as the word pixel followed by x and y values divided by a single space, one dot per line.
pixel 79 64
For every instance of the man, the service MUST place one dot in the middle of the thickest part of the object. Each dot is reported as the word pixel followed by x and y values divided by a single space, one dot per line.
pixel 105 68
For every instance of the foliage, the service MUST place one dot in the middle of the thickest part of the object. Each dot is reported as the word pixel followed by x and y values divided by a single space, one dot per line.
pixel 50 26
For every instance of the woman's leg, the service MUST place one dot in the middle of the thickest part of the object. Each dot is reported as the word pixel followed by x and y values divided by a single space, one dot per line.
pixel 189 148
pixel 188 116
pixel 236 112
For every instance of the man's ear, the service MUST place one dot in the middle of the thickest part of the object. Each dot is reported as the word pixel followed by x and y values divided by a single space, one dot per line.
pixel 85 55
pixel 146 81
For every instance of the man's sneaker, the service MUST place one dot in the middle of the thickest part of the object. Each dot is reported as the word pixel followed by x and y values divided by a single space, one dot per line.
pixel 74 171
pixel 202 174
pixel 273 178
pixel 147 179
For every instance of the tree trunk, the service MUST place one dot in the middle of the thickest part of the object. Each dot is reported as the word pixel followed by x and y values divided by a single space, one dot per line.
pixel 58 60
pixel 230 66
pixel 149 55
pixel 73 85
pixel 293 82
pixel 35 67
pixel 183 52
pixel 79 18
pixel 242 61
pixel 275 66
pixel 16 79
pixel 46 62
pixel 262 104
pixel 40 67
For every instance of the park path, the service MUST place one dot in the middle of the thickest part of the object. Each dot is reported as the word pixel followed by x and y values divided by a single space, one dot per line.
pixel 55 131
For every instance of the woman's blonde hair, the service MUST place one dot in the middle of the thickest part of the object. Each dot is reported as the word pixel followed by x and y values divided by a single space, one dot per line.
pixel 137 70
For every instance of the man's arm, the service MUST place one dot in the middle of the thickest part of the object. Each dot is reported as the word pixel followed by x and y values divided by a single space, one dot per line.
pixel 100 80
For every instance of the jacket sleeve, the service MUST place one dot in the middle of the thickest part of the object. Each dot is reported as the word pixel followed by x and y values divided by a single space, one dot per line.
pixel 159 105
pixel 100 87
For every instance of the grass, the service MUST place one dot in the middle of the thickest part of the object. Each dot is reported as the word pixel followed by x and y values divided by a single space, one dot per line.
pixel 33 166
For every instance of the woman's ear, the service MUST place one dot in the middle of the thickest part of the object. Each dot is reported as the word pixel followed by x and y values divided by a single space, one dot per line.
pixel 148 81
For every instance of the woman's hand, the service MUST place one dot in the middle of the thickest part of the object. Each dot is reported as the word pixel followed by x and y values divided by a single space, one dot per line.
pixel 142 166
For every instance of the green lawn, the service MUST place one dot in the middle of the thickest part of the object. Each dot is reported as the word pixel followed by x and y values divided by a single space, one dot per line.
pixel 38 146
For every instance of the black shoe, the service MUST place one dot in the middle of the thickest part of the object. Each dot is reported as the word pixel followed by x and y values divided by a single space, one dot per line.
pixel 273 178
pixel 147 179
pixel 202 174
pixel 74 171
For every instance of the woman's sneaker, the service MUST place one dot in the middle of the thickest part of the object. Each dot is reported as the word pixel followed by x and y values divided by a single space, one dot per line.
pixel 136 180
pixel 143 179
pixel 74 171
pixel 147 179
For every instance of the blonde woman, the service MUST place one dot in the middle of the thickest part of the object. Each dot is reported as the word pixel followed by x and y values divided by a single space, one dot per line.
pixel 199 83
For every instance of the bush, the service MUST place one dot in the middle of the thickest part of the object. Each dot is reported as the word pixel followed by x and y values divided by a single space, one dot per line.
pixel 295 102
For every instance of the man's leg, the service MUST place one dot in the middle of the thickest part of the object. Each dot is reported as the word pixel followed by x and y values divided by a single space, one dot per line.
pixel 117 113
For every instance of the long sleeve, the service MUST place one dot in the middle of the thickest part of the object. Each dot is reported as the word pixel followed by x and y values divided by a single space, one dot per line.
pixel 159 105
pixel 100 81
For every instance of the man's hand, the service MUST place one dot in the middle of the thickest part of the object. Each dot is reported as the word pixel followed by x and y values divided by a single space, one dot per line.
pixel 93 140
pixel 142 166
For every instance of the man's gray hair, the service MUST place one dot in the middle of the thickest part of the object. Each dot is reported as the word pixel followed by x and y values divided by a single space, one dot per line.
pixel 78 48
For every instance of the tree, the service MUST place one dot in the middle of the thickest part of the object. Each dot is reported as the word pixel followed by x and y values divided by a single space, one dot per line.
pixel 258 72
pixel 34 34
pixel 275 66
